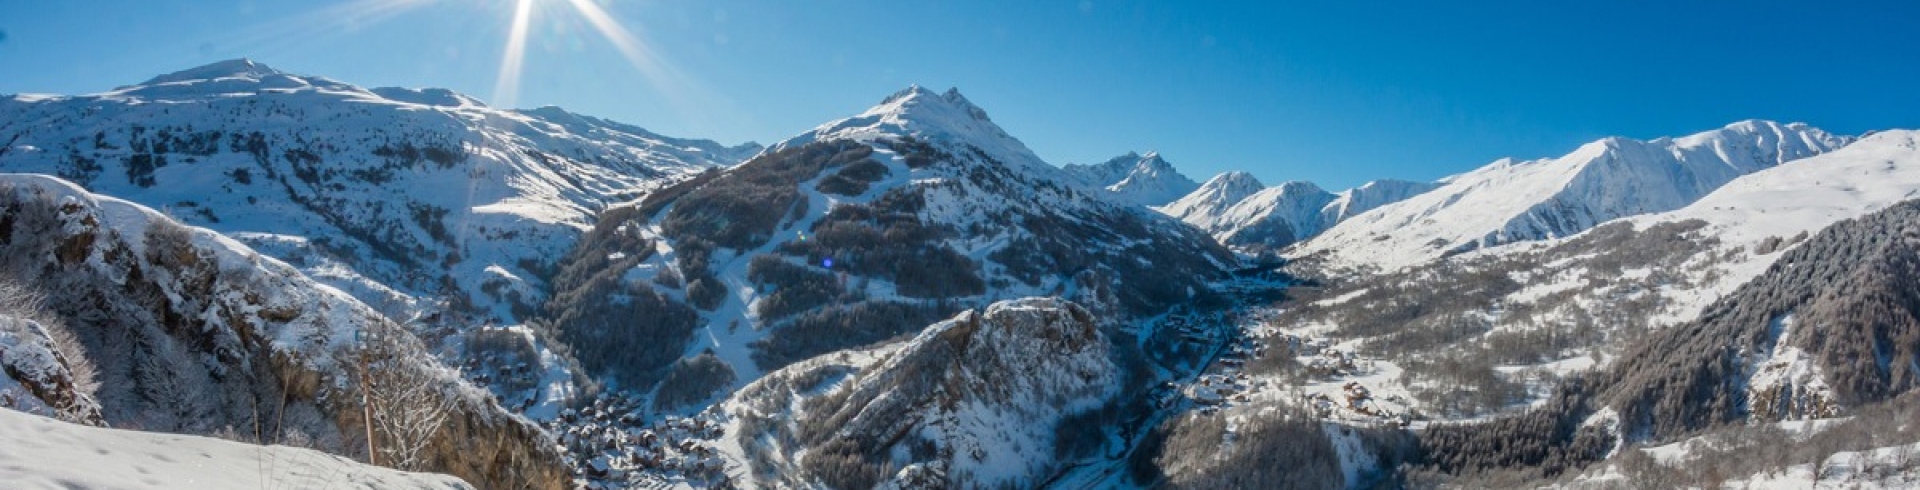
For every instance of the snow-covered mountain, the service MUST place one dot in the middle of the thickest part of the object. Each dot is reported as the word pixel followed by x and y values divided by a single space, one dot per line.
pixel 402 197
pixel 861 230
pixel 1203 206
pixel 1146 180
pixel 1510 201
pixel 1757 302
pixel 1239 212
pixel 186 330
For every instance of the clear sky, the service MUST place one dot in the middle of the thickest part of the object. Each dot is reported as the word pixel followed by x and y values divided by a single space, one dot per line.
pixel 1333 92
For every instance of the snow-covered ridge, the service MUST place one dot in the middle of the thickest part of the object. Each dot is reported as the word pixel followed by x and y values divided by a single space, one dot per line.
pixel 947 119
pixel 1133 178
pixel 1791 200
pixel 1203 206
pixel 1239 212
pixel 362 189
pixel 1509 201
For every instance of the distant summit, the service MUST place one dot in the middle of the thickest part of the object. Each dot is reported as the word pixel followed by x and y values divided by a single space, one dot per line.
pixel 1133 178
pixel 234 68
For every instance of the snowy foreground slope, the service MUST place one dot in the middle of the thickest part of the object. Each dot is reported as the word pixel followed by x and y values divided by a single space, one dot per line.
pixel 1510 201
pixel 401 197
pixel 45 454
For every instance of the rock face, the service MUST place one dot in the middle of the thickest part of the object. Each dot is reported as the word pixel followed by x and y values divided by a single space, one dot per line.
pixel 969 402
pixel 1146 180
pixel 193 332
pixel 39 377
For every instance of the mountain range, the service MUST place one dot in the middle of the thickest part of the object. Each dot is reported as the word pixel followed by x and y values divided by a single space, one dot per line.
pixel 909 297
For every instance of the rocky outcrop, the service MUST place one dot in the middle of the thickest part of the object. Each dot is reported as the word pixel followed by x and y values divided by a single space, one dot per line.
pixel 192 332
pixel 38 377
pixel 969 402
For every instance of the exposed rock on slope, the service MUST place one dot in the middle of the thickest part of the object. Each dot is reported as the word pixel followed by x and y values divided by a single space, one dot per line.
pixel 38 376
pixel 193 332
pixel 969 402
pixel 857 232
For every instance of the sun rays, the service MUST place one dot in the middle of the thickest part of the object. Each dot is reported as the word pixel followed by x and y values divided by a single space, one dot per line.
pixel 526 20
pixel 506 86
pixel 631 47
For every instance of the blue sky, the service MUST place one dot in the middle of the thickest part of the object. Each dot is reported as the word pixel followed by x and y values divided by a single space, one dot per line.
pixel 1335 92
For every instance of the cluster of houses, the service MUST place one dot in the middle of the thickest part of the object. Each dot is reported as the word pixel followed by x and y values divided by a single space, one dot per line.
pixel 1195 327
pixel 503 375
pixel 610 445
pixel 1354 401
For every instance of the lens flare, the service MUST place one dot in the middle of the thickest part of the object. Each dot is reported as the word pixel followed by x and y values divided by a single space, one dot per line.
pixel 693 102
pixel 506 86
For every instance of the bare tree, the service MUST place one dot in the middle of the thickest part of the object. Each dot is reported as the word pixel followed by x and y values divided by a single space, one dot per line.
pixel 407 402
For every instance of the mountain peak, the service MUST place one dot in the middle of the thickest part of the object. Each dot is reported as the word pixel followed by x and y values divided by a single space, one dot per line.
pixel 943 119
pixel 233 68
pixel 1234 179
pixel 1134 178
pixel 1203 206
pixel 918 102
pixel 1299 186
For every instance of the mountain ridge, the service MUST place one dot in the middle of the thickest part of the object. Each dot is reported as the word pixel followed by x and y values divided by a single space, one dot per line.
pixel 1614 177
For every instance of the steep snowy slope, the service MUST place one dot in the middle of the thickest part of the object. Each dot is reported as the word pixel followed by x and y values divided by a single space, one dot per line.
pixel 1241 213
pixel 1511 201
pixel 1146 180
pixel 1367 197
pixel 190 331
pixel 860 231
pixel 1274 217
pixel 1202 207
pixel 968 402
pixel 46 454
pixel 399 196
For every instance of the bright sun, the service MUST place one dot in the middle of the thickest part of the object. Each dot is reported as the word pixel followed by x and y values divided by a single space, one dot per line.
pixel 345 16
pixel 507 84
